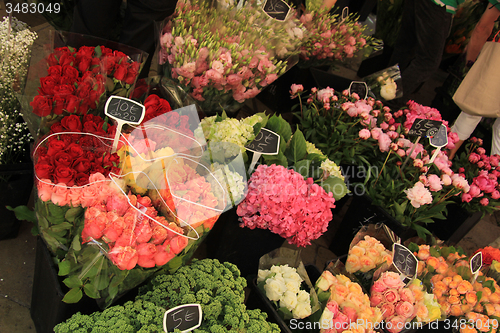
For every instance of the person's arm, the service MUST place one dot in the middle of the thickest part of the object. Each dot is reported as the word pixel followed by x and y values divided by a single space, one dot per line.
pixel 481 32
pixel 328 4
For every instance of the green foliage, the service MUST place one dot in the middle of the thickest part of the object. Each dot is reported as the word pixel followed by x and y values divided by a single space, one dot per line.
pixel 217 287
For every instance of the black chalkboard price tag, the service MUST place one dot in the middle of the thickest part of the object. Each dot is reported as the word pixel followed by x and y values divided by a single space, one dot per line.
pixel 359 88
pixel 476 262
pixel 404 260
pixel 266 142
pixel 277 9
pixel 185 318
pixel 440 139
pixel 123 111
pixel 425 127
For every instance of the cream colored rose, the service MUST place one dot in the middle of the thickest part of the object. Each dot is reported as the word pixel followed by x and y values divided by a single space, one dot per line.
pixel 302 310
pixel 289 300
pixel 262 274
pixel 388 91
pixel 326 280
pixel 274 289
pixel 326 318
pixel 292 285
pixel 303 296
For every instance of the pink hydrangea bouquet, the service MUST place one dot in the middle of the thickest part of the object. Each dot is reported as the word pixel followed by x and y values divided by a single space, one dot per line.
pixel 224 57
pixel 481 172
pixel 281 201
pixel 330 39
pixel 347 306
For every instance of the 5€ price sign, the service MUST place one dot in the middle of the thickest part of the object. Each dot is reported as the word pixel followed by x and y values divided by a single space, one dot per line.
pixel 185 318
pixel 266 142
pixel 124 111
pixel 277 9
pixel 404 260
pixel 476 262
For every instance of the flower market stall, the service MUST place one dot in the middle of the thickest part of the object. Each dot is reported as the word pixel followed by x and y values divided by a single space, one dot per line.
pixel 174 204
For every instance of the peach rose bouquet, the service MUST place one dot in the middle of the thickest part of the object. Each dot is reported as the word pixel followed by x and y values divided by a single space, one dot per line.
pixel 367 255
pixel 347 306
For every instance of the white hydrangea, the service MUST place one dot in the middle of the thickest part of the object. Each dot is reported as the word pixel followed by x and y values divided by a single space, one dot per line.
pixel 235 183
pixel 311 149
pixel 331 169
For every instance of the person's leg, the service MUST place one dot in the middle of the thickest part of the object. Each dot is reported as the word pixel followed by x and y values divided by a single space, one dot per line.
pixel 495 140
pixel 96 17
pixel 404 49
pixel 463 126
pixel 432 24
pixel 139 25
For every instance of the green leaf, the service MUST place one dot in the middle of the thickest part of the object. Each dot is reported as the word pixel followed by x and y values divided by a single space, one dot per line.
pixel 479 294
pixel 413 247
pixel 436 253
pixel 286 129
pixel 73 282
pixel 336 186
pixel 302 167
pixel 61 227
pixel 56 213
pixel 98 52
pixel 75 244
pixel 23 213
pixel 323 296
pixel 297 148
pixel 43 222
pixel 64 268
pixel 285 313
pixel 174 264
pixel 113 291
pixel 73 295
pixel 91 291
pixel 73 213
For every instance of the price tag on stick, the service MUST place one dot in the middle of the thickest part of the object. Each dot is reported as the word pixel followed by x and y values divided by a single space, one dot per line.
pixel 124 111
pixel 425 127
pixel 439 140
pixel 476 262
pixel 404 260
pixel 266 142
pixel 185 318
pixel 359 88
pixel 277 9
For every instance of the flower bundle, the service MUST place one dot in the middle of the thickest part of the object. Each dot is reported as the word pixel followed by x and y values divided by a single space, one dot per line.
pixel 281 200
pixel 330 39
pixel 16 41
pixel 366 255
pixel 223 57
pixel 490 254
pixel 347 306
pixel 282 285
pixel 396 302
pixel 426 305
pixel 384 84
pixel 367 134
pixel 481 172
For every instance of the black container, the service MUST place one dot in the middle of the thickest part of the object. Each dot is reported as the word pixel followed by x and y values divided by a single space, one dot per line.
pixel 15 190
pixel 47 308
pixel 359 213
pixel 227 241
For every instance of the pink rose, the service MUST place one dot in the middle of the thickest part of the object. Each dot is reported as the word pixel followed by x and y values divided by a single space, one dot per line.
pixel 118 203
pixel 407 295
pixel 60 195
pixel 391 295
pixel 395 324
pixel 45 188
pixel 351 313
pixel 466 197
pixel 379 286
pixel 446 179
pixel 74 195
pixel 364 134
pixel 495 195
pixel 340 322
pixel 392 280
pixel 124 257
pixel 88 196
pixel 177 244
pixel 376 298
pixel 484 201
pixel 405 309
pixel 376 133
pixel 474 191
pixel 474 158
pixel 333 307
pixel 387 310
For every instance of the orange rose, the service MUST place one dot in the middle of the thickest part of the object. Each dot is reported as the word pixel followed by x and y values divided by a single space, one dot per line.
pixel 438 292
pixel 447 280
pixel 442 268
pixel 456 310
pixel 486 292
pixel 357 251
pixel 441 285
pixel 457 278
pixel 471 298
pixel 367 263
pixel 478 307
pixel 467 329
pixel 489 308
pixel 495 298
pixel 453 292
pixel 453 300
pixel 464 287
pixel 353 264
pixel 420 267
pixel 432 261
pixel 423 254
pixel 436 278
pixel 466 308
pixel 445 307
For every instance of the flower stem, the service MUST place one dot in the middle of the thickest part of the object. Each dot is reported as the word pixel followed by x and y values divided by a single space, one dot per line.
pixel 386 159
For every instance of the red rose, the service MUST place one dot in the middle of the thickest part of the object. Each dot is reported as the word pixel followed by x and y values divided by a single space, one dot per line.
pixel 42 106
pixel 172 119
pixel 85 51
pixel 90 127
pixel 83 89
pixel 44 170
pixel 105 50
pixel 87 142
pixel 120 56
pixel 140 89
pixel 55 71
pixel 66 60
pixel 89 155
pixel 52 60
pixel 59 104
pixel 56 128
pixel 93 99
pixel 155 106
pixel 108 64
pixel 72 103
pixel 64 89
pixel 63 174
pixel 120 72
pixel 111 130
pixel 81 179
pixel 56 146
pixel 74 150
pixel 82 165
pixel 47 85
pixel 83 108
pixel 63 158
pixel 70 74
pixel 44 158
pixel 72 123
pixel 132 73
pixel 97 168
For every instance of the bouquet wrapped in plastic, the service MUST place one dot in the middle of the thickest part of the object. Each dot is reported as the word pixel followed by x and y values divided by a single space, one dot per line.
pixel 112 219
pixel 223 57
pixel 386 84
pixel 77 74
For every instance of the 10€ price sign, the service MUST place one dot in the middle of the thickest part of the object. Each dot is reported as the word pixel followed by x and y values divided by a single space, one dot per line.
pixel 123 111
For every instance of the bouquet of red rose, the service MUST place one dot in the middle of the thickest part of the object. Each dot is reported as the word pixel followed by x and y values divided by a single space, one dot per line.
pixel 75 78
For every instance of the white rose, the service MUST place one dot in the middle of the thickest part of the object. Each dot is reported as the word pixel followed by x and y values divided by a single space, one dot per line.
pixel 302 310
pixel 292 285
pixel 303 296
pixel 326 317
pixel 288 300
pixel 274 289
pixel 276 269
pixel 263 274
pixel 388 91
